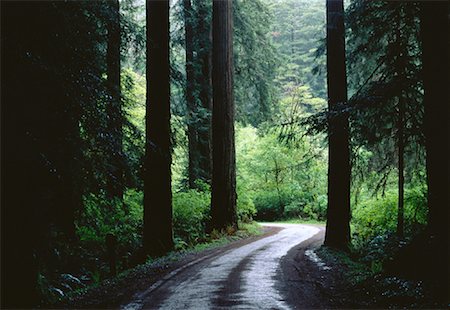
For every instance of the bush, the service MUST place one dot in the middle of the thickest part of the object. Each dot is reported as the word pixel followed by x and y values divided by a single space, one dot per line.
pixel 245 207
pixel 305 205
pixel 101 217
pixel 268 205
pixel 296 204
pixel 378 216
pixel 190 216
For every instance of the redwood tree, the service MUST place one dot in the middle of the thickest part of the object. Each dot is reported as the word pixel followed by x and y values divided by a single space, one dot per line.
pixel 204 81
pixel 157 181
pixel 197 21
pixel 338 212
pixel 191 101
pixel 223 200
pixel 434 30
pixel 434 20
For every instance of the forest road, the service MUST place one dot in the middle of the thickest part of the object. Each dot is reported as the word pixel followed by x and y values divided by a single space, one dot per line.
pixel 252 276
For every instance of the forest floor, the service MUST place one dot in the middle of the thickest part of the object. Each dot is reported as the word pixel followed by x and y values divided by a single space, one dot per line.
pixel 269 271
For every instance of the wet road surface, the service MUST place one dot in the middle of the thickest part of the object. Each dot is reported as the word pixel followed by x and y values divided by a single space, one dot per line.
pixel 240 278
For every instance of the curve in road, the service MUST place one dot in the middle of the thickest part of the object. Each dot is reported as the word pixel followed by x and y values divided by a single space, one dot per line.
pixel 241 278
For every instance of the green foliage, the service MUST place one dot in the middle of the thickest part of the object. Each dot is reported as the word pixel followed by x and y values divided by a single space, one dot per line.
pixel 306 206
pixel 375 217
pixel 269 206
pixel 282 180
pixel 190 216
pixel 255 62
pixel 101 217
pixel 298 27
pixel 246 209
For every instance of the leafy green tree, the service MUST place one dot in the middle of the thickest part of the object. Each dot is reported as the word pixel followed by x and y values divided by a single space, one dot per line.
pixel 283 180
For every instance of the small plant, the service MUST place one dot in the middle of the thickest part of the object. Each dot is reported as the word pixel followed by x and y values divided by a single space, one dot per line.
pixel 230 230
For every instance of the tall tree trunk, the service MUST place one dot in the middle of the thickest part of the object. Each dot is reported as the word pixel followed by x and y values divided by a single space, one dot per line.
pixel 339 170
pixel 434 20
pixel 27 105
pixel 204 81
pixel 401 49
pixel 192 115
pixel 157 181
pixel 223 200
pixel 434 30
pixel 401 168
pixel 115 181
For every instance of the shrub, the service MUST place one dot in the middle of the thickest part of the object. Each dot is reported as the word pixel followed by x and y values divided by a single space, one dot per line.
pixel 268 205
pixel 190 215
pixel 101 217
pixel 245 207
pixel 378 216
pixel 306 205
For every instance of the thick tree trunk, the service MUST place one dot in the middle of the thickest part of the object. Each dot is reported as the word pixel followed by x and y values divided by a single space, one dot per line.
pixel 204 81
pixel 434 20
pixel 434 30
pixel 223 208
pixel 115 180
pixel 192 113
pixel 157 181
pixel 339 170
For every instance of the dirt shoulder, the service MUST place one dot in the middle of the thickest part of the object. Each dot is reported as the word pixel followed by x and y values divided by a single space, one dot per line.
pixel 305 281
pixel 316 277
pixel 123 289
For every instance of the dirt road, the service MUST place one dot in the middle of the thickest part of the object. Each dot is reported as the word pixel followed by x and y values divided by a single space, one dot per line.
pixel 256 275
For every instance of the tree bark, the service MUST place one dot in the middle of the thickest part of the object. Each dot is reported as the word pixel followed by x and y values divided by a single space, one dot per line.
pixel 157 181
pixel 434 31
pixel 204 34
pixel 401 167
pixel 115 180
pixel 339 170
pixel 192 113
pixel 435 69
pixel 223 200
pixel 401 49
